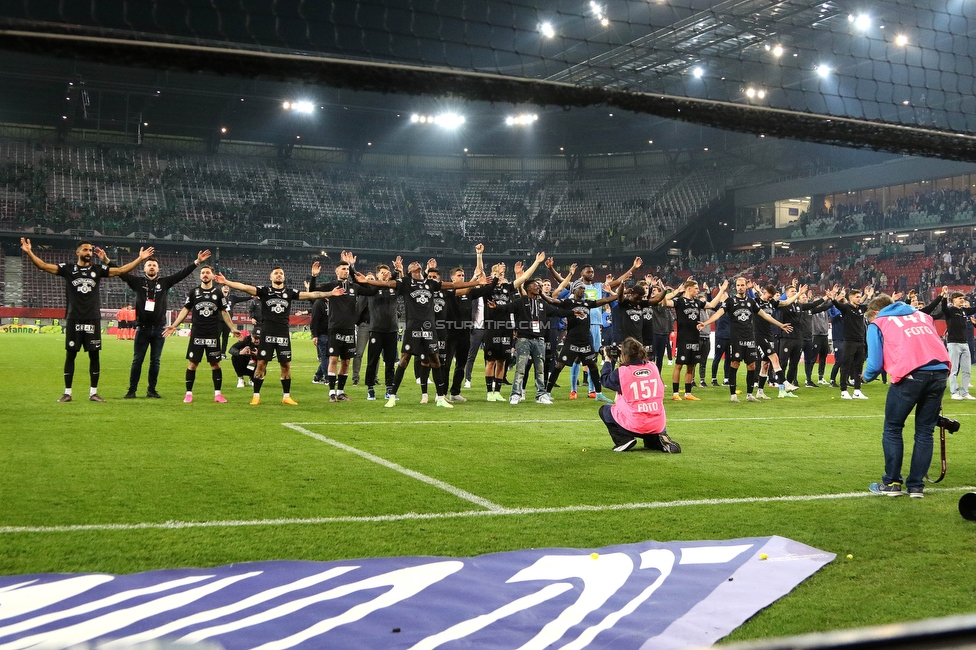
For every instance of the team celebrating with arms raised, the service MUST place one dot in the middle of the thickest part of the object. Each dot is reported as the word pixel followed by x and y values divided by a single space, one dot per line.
pixel 525 322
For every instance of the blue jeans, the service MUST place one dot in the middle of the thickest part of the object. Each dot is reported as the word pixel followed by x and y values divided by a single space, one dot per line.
pixel 322 349
pixel 146 338
pixel 530 351
pixel 922 390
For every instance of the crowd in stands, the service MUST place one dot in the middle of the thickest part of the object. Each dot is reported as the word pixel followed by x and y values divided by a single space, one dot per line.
pixel 116 192
pixel 940 206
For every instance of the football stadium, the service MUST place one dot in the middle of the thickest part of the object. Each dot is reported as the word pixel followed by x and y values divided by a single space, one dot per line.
pixel 443 260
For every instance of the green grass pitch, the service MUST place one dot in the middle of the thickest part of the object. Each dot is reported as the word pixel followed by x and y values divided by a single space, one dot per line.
pixel 86 486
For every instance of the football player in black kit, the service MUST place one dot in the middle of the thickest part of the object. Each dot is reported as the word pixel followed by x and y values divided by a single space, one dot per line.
pixel 83 329
pixel 209 308
pixel 275 333
pixel 742 311
pixel 343 316
pixel 383 327
pixel 767 346
pixel 577 347
pixel 419 336
pixel 687 309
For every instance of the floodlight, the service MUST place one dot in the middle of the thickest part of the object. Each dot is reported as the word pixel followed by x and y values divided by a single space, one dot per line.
pixel 823 70
pixel 750 92
pixel 901 40
pixel 778 51
pixel 862 22
pixel 547 30
pixel 286 105
pixel 449 120
pixel 303 107
pixel 697 72
pixel 414 118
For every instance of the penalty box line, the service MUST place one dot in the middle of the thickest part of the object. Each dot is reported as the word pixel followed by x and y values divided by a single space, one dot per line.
pixel 413 516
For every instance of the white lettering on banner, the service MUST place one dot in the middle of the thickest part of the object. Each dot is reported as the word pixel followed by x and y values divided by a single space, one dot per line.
pixel 403 583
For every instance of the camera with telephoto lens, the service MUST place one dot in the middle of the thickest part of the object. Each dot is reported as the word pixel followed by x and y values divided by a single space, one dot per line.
pixel 949 425
pixel 612 351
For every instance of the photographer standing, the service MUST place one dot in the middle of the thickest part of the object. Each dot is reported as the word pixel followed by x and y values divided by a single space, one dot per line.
pixel 904 342
pixel 639 409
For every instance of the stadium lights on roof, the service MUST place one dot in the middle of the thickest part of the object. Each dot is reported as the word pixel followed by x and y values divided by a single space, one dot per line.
pixel 901 40
pixel 823 70
pixel 777 50
pixel 446 120
pixel 525 119
pixel 860 21
pixel 547 30
pixel 697 72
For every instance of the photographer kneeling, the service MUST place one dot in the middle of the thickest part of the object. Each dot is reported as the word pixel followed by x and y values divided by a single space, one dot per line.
pixel 639 409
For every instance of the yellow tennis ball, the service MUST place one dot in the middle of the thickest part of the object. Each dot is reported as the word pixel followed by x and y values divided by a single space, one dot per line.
pixel 738 392
pixel 850 557
pixel 763 556
pixel 594 555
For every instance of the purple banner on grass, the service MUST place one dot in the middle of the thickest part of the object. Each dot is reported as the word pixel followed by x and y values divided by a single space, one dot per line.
pixel 646 595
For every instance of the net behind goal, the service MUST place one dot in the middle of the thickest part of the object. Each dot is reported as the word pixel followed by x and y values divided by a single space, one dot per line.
pixel 898 77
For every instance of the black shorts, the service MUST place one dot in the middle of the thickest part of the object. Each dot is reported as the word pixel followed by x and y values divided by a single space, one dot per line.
pixel 688 353
pixel 83 335
pixel 745 352
pixel 201 349
pixel 766 347
pixel 572 352
pixel 498 346
pixel 420 342
pixel 342 343
pixel 275 344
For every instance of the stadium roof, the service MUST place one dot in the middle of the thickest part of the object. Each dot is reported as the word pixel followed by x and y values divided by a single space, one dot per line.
pixel 691 50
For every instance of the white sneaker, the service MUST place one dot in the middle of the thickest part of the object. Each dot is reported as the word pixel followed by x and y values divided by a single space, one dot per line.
pixel 968 396
pixel 845 395
pixel 467 383
pixel 240 382
pixel 458 399
pixel 543 399
pixel 789 387
pixel 859 395
pixel 761 395
pixel 423 398
pixel 823 382
pixel 390 402
pixel 442 402
pixel 514 400
pixel 734 399
pixel 955 396
pixel 751 398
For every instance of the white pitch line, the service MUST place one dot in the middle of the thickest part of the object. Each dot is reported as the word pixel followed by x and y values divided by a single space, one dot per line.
pixel 458 492
pixel 413 516
pixel 771 418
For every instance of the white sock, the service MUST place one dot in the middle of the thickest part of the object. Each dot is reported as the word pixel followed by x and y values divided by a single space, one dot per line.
pixel 93 391
pixel 67 391
pixel 286 396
